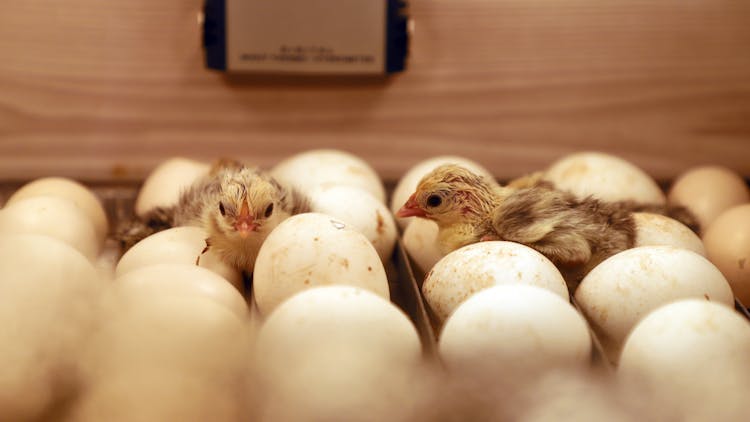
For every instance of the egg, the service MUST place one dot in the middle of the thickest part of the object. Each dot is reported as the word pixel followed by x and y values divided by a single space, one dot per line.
pixel 69 189
pixel 165 183
pixel 361 211
pixel 178 279
pixel 156 395
pixel 328 167
pixel 178 334
pixel 313 249
pixel 330 353
pixel 727 242
pixel 421 243
pixel 514 329
pixel 409 181
pixel 605 177
pixel 707 191
pixel 54 217
pixel 475 267
pixel 47 293
pixel 692 356
pixel 659 230
pixel 178 245
pixel 621 290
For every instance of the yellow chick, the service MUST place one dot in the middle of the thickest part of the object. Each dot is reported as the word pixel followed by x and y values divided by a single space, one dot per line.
pixel 238 207
pixel 574 234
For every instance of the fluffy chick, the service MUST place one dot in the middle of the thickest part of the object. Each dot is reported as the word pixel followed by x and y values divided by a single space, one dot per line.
pixel 575 234
pixel 237 206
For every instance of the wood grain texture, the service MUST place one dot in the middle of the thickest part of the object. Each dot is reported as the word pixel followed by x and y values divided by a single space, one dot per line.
pixel 106 89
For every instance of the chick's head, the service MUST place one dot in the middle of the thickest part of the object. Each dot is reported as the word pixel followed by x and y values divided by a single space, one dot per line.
pixel 449 194
pixel 248 206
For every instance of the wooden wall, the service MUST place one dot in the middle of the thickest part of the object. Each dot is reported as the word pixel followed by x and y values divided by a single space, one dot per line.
pixel 98 89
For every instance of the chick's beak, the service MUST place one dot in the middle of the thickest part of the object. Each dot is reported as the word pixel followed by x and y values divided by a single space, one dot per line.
pixel 245 223
pixel 411 208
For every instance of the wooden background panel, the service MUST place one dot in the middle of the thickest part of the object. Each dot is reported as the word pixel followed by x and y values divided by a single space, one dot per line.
pixel 101 89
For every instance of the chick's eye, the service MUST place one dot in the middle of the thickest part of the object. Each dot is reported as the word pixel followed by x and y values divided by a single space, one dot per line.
pixel 434 201
pixel 221 209
pixel 269 210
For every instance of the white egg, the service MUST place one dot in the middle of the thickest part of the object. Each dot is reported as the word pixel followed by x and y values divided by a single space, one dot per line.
pixel 421 243
pixel 164 184
pixel 361 211
pixel 692 356
pixel 157 395
pixel 515 330
pixel 475 267
pixel 604 176
pixel 178 245
pixel 659 230
pixel 47 293
pixel 178 279
pixel 727 242
pixel 708 191
pixel 409 181
pixel 69 189
pixel 620 291
pixel 177 333
pixel 54 217
pixel 328 353
pixel 312 249
pixel 327 167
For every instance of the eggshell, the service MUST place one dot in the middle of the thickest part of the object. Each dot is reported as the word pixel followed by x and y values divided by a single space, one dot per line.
pixel 707 191
pixel 659 230
pixel 177 279
pixel 692 356
pixel 421 243
pixel 47 293
pixel 69 189
pixel 314 249
pixel 617 293
pixel 327 167
pixel 475 267
pixel 605 177
pixel 409 181
pixel 514 329
pixel 163 186
pixel 54 217
pixel 178 245
pixel 727 242
pixel 357 349
pixel 362 212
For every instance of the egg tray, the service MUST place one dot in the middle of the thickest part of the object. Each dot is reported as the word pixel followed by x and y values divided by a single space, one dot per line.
pixel 428 324
pixel 404 280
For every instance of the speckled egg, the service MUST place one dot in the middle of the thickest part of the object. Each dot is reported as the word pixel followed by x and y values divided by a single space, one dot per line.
pixel 692 357
pixel 361 211
pixel 475 267
pixel 604 176
pixel 620 291
pixel 313 249
pixel 660 230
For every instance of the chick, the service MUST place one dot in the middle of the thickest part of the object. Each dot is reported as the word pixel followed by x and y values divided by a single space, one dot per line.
pixel 575 234
pixel 237 206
